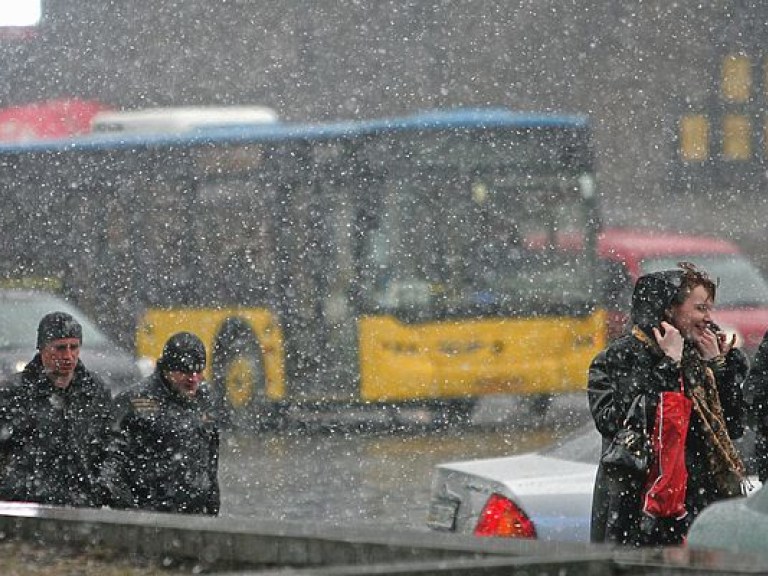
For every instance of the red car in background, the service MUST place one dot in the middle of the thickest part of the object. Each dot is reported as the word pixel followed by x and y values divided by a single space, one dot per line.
pixel 741 307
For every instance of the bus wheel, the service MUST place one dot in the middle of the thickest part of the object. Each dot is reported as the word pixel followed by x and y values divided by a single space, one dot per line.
pixel 238 368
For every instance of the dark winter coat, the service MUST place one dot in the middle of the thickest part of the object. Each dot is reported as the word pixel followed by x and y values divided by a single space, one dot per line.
pixel 168 451
pixel 52 440
pixel 627 368
pixel 756 394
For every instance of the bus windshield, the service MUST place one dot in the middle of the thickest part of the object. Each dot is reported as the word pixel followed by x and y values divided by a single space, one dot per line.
pixel 453 217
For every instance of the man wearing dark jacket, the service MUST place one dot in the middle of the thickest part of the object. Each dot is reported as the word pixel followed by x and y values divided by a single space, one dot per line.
pixel 167 454
pixel 55 422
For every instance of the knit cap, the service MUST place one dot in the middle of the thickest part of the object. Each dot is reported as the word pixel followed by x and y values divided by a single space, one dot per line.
pixel 57 325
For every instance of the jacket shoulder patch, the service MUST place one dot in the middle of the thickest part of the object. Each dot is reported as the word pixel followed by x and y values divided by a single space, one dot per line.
pixel 144 405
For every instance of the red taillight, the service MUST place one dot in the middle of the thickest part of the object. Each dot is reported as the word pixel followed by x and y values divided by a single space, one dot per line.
pixel 502 517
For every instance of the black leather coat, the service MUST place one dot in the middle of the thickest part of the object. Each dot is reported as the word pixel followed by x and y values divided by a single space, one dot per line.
pixel 53 441
pixel 629 367
pixel 168 451
pixel 756 393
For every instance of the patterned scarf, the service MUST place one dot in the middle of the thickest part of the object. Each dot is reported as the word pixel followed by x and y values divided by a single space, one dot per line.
pixel 724 461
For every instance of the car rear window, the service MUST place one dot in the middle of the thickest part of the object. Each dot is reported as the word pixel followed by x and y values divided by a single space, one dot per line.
pixel 740 283
pixel 583 445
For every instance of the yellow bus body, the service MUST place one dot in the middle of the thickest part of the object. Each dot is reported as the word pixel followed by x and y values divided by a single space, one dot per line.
pixel 402 362
pixel 477 357
pixel 157 325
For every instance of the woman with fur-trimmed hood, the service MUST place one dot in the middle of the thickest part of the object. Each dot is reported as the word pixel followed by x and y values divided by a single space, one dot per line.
pixel 672 335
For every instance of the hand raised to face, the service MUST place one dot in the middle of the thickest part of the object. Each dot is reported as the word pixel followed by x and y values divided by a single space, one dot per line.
pixel 669 340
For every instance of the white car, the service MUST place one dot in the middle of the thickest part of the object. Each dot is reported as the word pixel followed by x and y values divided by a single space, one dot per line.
pixel 545 495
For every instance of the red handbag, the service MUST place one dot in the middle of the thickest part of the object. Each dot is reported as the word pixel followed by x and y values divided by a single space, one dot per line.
pixel 668 477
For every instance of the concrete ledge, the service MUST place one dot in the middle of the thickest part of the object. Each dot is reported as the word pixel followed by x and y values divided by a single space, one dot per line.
pixel 317 550
pixel 245 542
pixel 494 566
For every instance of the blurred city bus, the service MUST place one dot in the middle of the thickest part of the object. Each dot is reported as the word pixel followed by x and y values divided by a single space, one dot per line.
pixel 362 263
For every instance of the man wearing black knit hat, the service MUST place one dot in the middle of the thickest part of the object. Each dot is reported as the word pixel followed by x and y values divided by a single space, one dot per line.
pixel 55 422
pixel 168 451
pixel 59 337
